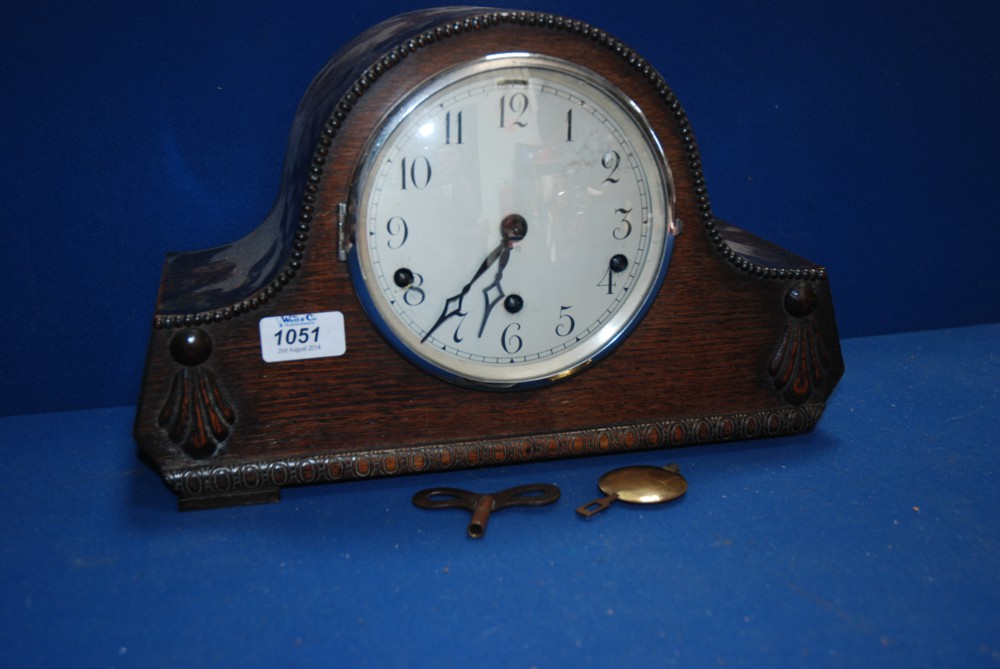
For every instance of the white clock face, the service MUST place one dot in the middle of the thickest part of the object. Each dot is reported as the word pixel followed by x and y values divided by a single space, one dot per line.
pixel 512 224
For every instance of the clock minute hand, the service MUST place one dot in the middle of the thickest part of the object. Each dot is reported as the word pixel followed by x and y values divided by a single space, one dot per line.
pixel 453 305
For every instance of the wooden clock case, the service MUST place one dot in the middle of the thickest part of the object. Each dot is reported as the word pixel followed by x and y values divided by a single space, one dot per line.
pixel 740 343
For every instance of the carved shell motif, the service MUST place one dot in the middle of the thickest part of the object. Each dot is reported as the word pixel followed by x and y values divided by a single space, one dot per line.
pixel 799 363
pixel 196 415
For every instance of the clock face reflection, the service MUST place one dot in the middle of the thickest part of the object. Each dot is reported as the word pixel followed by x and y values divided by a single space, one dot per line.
pixel 512 222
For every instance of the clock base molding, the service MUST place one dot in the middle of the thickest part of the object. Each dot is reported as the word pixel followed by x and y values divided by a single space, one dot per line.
pixel 232 482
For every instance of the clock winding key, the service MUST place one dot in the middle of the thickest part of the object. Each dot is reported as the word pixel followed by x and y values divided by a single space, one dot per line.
pixel 482 504
pixel 639 484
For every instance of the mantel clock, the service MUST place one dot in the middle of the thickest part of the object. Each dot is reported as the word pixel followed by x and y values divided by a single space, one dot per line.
pixel 492 244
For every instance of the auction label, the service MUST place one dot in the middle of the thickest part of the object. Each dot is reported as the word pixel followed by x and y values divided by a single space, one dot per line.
pixel 302 336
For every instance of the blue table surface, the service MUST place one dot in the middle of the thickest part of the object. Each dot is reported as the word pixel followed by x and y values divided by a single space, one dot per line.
pixel 872 541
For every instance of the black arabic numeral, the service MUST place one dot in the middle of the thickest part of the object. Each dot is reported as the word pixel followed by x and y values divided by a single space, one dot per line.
pixel 610 161
pixel 458 326
pixel 419 173
pixel 414 294
pixel 518 104
pixel 566 323
pixel 398 231
pixel 608 281
pixel 625 229
pixel 511 343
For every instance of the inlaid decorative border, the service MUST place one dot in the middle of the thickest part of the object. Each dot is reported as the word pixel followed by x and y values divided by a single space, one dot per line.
pixel 215 485
pixel 443 31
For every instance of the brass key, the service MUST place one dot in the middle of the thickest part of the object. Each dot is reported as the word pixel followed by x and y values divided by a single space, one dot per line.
pixel 481 504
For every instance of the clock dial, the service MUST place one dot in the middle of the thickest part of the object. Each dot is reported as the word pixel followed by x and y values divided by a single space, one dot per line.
pixel 511 222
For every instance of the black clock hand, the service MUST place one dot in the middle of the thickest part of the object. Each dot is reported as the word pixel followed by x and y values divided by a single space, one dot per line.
pixel 504 257
pixel 453 305
pixel 512 229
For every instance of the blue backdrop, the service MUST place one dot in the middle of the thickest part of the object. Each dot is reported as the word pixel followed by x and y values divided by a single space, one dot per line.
pixel 859 135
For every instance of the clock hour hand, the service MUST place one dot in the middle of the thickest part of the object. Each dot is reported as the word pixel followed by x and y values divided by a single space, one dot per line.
pixel 513 228
pixel 495 288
